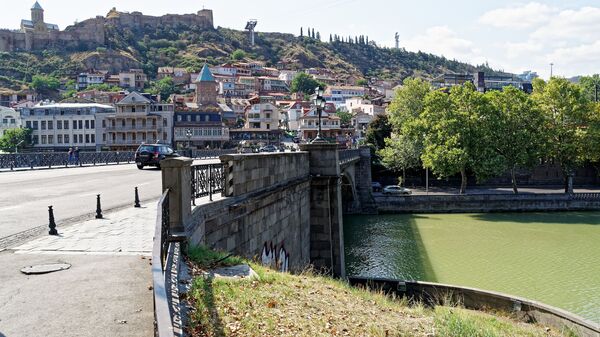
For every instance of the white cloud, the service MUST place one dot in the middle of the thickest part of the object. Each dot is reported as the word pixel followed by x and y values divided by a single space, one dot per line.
pixel 441 40
pixel 516 50
pixel 571 25
pixel 581 59
pixel 525 16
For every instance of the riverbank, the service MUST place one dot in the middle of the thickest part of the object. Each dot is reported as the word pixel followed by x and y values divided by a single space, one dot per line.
pixel 281 304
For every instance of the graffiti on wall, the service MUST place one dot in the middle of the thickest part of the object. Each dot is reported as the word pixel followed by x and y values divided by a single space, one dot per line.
pixel 277 259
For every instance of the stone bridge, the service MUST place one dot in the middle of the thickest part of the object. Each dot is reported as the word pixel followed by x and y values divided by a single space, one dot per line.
pixel 285 209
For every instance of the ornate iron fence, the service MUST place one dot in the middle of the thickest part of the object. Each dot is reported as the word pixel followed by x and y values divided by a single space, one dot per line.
pixel 585 196
pixel 207 180
pixel 32 160
pixel 160 271
pixel 347 156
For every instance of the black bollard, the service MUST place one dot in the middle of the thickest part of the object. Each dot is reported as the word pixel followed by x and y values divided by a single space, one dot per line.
pixel 98 208
pixel 52 224
pixel 137 199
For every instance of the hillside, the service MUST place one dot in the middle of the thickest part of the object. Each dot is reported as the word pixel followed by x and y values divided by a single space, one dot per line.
pixel 188 46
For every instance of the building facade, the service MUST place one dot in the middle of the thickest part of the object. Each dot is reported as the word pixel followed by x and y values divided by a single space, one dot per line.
pixel 60 126
pixel 138 119
pixel 9 119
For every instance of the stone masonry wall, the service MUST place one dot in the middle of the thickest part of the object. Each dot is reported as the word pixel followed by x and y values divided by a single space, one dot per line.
pixel 268 205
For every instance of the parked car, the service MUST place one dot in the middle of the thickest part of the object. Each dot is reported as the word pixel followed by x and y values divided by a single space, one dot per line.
pixel 153 154
pixel 376 186
pixel 268 148
pixel 296 140
pixel 393 189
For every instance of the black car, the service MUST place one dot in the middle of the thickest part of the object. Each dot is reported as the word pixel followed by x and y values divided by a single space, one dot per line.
pixel 153 154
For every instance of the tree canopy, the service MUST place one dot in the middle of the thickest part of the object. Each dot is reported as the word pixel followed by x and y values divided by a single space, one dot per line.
pixel 14 138
pixel 304 83
pixel 43 83
pixel 164 87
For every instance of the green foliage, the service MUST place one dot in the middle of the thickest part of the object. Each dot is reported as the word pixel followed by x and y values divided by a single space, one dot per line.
pixel 379 129
pixel 591 87
pixel 165 87
pixel 362 82
pixel 208 258
pixel 238 55
pixel 400 153
pixel 345 117
pixel 44 83
pixel 567 113
pixel 14 138
pixel 103 87
pixel 514 130
pixel 305 83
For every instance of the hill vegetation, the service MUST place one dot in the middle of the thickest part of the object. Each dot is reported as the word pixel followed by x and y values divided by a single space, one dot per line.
pixel 190 47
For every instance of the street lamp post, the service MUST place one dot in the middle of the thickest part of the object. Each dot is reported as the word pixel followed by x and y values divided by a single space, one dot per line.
pixel 319 102
pixel 188 135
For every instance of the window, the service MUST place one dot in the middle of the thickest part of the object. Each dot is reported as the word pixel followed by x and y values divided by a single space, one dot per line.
pixel 46 112
pixel 28 124
pixel 66 125
pixel 104 123
pixel 189 118
pixel 206 118
pixel 87 124
pixel 104 137
pixel 67 140
pixel 36 140
pixel 268 126
pixel 50 139
pixel 74 125
pixel 268 115
pixel 44 139
pixel 80 125
pixel 87 139
pixel 44 125
pixel 179 118
pixel 35 125
pixel 123 123
pixel 165 122
pixel 133 123
pixel 50 125
pixel 80 138
pixel 59 125
pixel 59 139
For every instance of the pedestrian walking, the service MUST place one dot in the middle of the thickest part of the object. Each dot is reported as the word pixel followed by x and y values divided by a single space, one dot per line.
pixel 70 156
pixel 76 155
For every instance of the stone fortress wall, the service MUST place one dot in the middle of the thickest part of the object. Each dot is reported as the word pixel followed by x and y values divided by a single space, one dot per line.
pixel 91 33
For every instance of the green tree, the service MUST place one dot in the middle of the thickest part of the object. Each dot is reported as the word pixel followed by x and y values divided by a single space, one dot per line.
pixel 305 83
pixel 103 87
pixel 362 82
pixel 513 130
pixel 400 153
pixel 43 83
pixel 568 113
pixel 14 138
pixel 379 129
pixel 452 142
pixel 345 117
pixel 591 87
pixel 238 55
pixel 164 87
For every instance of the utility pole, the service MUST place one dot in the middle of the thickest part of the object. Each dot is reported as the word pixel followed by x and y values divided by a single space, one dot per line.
pixel 250 27
pixel 551 69
pixel 397 38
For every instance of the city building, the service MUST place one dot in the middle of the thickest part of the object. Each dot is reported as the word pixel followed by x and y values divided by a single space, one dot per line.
pixel 9 119
pixel 60 126
pixel 138 119
pixel 450 80
pixel 331 127
pixel 90 78
pixel 180 76
pixel 358 105
pixel 482 81
pixel 262 122
pixel 10 98
pixel 134 79
pixel 200 124
pixel 339 94
pixel 293 113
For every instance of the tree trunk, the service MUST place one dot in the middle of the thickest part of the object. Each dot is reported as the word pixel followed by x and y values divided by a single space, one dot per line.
pixel 403 176
pixel 514 181
pixel 463 183
pixel 566 181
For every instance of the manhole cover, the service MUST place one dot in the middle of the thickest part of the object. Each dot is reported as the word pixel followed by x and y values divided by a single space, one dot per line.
pixel 45 268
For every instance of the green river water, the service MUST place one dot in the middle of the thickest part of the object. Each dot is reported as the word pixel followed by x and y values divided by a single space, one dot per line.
pixel 553 258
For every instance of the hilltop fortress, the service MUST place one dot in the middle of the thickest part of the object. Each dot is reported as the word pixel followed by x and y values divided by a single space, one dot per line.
pixel 35 34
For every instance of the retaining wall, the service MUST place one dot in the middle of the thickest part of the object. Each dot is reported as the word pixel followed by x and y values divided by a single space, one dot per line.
pixel 472 298
pixel 488 203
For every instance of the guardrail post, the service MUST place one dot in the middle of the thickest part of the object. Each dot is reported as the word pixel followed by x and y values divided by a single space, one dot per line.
pixel 177 176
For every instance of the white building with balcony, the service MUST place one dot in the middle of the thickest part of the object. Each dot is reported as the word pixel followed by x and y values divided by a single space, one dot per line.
pixel 9 119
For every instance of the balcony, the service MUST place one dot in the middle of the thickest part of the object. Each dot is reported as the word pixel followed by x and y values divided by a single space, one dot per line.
pixel 133 128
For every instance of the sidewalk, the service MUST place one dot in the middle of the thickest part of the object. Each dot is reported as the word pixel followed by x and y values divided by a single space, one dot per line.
pixel 106 292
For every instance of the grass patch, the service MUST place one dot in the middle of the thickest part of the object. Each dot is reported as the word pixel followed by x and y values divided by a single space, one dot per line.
pixel 206 258
pixel 281 304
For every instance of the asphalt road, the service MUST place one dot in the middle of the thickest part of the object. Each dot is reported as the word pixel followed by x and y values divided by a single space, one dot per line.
pixel 26 195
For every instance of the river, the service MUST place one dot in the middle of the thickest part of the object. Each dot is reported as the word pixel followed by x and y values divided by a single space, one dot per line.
pixel 553 258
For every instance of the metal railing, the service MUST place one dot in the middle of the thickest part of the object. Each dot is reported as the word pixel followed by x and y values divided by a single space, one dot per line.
pixel 207 180
pixel 32 160
pixel 162 312
pixel 585 196
pixel 347 156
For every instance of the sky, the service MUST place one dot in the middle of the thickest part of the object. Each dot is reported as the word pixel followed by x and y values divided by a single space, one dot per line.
pixel 513 36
